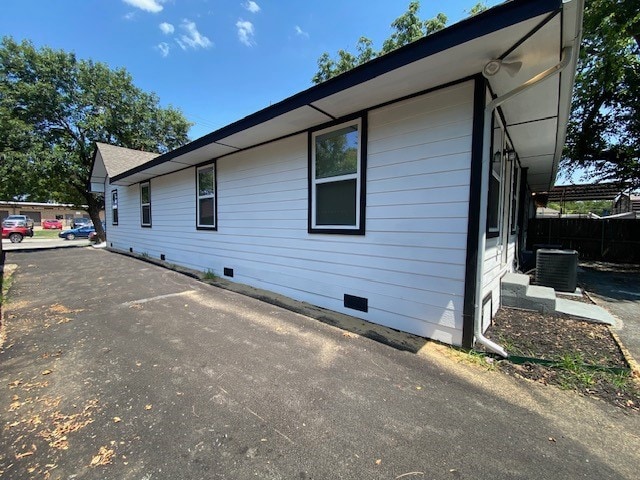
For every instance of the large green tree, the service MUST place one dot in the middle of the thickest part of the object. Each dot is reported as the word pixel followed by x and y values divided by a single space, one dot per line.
pixel 604 130
pixel 54 107
pixel 407 28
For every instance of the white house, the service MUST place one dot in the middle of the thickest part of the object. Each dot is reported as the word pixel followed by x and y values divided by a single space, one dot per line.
pixel 393 192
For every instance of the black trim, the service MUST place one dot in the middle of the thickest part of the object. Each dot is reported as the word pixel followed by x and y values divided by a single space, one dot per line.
pixel 356 303
pixel 214 227
pixel 114 220
pixel 363 118
pixel 473 226
pixel 163 257
pixel 322 112
pixel 513 214
pixel 145 225
pixel 228 272
pixel 487 22
pixel 489 233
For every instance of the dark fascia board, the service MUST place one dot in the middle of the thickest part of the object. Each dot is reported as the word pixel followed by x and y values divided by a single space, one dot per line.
pixel 489 21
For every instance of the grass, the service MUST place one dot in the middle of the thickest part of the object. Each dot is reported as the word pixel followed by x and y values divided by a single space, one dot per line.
pixel 46 233
pixel 145 255
pixel 209 274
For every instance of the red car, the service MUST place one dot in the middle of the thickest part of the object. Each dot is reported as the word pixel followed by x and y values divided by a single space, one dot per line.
pixel 52 224
pixel 16 233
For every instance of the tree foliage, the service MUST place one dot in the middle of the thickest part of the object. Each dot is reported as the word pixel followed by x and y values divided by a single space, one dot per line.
pixel 54 107
pixel 604 130
pixel 407 28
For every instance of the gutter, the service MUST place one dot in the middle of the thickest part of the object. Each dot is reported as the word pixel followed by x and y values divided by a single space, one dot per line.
pixel 567 53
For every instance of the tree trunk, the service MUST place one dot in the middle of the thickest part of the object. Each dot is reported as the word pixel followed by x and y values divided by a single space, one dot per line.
pixel 95 205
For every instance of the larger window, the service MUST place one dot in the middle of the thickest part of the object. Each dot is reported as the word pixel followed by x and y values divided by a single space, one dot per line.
pixel 114 207
pixel 337 179
pixel 494 207
pixel 145 204
pixel 206 201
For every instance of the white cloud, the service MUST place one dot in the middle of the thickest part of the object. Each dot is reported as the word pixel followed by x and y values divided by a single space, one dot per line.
pixel 130 16
pixel 253 7
pixel 153 6
pixel 301 32
pixel 192 38
pixel 245 32
pixel 167 28
pixel 164 48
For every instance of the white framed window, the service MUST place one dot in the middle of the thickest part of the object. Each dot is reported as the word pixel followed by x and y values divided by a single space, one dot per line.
pixel 206 204
pixel 114 207
pixel 145 204
pixel 336 179
pixel 496 173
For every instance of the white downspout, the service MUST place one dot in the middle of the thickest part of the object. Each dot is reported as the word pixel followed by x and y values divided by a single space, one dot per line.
pixel 484 193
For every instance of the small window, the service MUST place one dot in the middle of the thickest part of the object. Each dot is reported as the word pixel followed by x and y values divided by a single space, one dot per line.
pixel 114 207
pixel 145 204
pixel 337 179
pixel 495 181
pixel 206 201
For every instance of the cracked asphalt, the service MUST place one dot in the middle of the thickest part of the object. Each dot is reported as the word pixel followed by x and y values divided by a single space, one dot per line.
pixel 114 368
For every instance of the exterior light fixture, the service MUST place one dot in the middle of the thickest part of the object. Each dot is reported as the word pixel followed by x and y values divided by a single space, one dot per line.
pixel 494 66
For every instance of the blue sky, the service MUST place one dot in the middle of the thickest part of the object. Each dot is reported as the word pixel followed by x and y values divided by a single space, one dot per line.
pixel 216 60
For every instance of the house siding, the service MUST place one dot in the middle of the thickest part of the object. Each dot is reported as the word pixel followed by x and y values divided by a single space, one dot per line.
pixel 410 264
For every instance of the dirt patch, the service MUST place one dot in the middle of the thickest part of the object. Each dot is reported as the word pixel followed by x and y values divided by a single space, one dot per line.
pixel 584 352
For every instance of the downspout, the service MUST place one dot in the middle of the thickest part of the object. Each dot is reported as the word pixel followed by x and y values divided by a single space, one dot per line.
pixel 484 195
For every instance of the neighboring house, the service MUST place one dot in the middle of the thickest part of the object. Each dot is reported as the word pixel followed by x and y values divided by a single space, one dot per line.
pixel 393 192
pixel 627 203
pixel 43 211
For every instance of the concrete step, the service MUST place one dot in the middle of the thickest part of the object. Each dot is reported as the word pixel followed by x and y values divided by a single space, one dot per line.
pixel 516 292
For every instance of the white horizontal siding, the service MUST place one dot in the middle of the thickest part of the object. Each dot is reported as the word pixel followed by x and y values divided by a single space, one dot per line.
pixel 409 265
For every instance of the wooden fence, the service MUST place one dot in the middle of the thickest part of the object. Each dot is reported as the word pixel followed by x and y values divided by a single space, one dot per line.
pixel 609 240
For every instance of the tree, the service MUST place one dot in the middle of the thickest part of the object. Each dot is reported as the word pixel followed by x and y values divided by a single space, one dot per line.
pixel 603 134
pixel 54 107
pixel 407 28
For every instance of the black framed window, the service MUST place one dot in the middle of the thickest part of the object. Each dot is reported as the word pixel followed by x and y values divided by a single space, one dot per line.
pixel 496 171
pixel 145 204
pixel 336 178
pixel 515 189
pixel 114 207
pixel 206 204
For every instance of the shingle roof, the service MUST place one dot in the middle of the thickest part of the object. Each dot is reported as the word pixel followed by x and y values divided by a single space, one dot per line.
pixel 119 159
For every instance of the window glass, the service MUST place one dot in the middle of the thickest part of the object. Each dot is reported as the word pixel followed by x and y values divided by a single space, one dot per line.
pixel 335 203
pixel 206 202
pixel 495 179
pixel 336 179
pixel 114 207
pixel 145 204
pixel 337 152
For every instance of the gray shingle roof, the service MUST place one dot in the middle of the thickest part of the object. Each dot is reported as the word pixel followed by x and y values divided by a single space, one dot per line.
pixel 119 159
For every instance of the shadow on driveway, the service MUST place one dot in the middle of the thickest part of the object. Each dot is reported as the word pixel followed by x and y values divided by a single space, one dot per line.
pixel 137 372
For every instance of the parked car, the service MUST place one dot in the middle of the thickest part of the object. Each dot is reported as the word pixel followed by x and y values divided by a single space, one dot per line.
pixel 18 221
pixel 81 222
pixel 81 232
pixel 16 233
pixel 52 224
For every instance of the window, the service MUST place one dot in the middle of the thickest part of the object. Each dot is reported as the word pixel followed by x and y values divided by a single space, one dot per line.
pixel 495 180
pixel 515 189
pixel 114 207
pixel 145 204
pixel 206 201
pixel 336 179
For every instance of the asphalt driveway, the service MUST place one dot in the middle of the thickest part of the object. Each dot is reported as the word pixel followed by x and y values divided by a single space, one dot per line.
pixel 616 288
pixel 125 370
